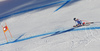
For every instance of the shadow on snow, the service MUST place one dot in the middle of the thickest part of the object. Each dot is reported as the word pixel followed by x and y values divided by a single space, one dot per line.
pixel 50 34
pixel 33 5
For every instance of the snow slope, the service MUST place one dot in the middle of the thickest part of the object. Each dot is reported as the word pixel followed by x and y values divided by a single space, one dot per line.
pixel 46 30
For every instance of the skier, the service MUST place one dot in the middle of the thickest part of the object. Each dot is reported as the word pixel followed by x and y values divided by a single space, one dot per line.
pixel 79 22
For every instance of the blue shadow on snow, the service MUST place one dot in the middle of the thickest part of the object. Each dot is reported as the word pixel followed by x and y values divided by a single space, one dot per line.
pixel 51 34
pixel 63 5
pixel 27 10
pixel 20 11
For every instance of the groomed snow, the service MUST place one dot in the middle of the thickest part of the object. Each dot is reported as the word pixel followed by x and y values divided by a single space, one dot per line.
pixel 45 21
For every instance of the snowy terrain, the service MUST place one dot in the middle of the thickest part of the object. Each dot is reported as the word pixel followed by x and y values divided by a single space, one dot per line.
pixel 41 28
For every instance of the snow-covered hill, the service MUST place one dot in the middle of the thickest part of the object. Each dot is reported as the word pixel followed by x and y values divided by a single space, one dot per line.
pixel 42 29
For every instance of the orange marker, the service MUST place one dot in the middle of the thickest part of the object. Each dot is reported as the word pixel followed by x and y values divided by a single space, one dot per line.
pixel 5 28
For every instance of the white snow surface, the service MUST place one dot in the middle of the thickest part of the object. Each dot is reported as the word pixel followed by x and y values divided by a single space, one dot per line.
pixel 35 23
pixel 2 0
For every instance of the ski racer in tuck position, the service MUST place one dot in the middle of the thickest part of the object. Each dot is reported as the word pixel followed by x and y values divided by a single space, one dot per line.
pixel 81 22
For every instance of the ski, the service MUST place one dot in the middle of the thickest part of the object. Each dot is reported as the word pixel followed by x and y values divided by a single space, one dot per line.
pixel 87 24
